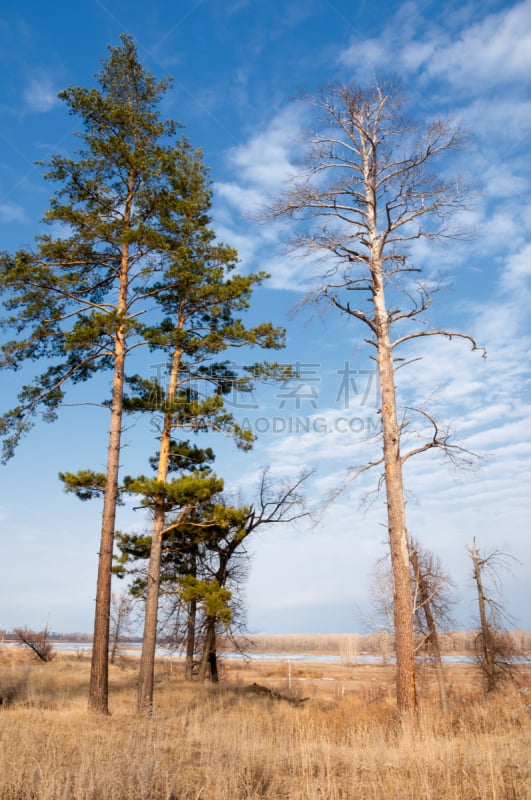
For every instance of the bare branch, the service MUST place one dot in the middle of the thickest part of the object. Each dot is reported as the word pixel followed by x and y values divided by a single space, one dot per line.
pixel 367 190
pixel 458 455
pixel 448 334
pixel 37 641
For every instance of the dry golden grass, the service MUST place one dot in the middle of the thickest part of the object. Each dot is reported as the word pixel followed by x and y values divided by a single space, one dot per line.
pixel 227 743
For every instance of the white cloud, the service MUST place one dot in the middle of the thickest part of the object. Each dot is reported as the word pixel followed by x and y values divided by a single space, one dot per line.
pixel 493 51
pixel 406 45
pixel 262 166
pixel 498 124
pixel 40 95
pixel 294 271
pixel 502 181
pixel 266 160
pixel 10 212
pixel 518 271
pixel 244 200
pixel 496 50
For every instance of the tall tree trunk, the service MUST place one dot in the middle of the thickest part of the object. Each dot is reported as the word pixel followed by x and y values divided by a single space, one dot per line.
pixel 433 638
pixel 99 679
pixel 98 700
pixel 396 513
pixel 149 639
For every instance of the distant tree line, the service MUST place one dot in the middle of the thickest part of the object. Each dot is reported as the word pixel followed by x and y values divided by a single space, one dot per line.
pixel 462 642
pixel 355 644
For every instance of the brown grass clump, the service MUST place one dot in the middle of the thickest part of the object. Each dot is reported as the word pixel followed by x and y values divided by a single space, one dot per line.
pixel 228 743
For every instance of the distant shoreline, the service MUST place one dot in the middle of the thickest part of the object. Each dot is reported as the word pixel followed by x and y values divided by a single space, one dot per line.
pixel 250 653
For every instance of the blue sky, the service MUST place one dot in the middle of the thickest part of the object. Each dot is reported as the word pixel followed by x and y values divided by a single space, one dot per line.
pixel 238 70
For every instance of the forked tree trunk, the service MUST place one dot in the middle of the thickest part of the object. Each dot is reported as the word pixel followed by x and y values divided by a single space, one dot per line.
pixel 209 656
pixel 117 626
pixel 149 639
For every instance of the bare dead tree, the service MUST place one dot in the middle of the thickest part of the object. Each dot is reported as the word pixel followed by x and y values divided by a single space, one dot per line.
pixel 432 599
pixel 122 607
pixel 37 641
pixel 381 592
pixel 274 503
pixel 495 648
pixel 365 193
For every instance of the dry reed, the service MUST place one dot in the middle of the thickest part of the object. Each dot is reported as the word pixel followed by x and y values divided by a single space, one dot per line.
pixel 228 743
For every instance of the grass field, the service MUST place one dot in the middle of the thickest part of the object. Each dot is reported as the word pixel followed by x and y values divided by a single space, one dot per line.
pixel 229 742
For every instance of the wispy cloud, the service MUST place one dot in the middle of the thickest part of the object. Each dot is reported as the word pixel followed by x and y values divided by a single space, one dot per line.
pixel 266 159
pixel 10 212
pixel 517 271
pixel 40 95
pixel 479 55
pixel 262 166
pixel 494 51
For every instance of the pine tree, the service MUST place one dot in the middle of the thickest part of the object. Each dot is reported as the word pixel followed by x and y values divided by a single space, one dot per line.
pixel 199 298
pixel 83 298
pixel 200 560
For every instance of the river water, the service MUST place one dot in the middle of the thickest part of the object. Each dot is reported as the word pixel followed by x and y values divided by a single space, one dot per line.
pixel 255 655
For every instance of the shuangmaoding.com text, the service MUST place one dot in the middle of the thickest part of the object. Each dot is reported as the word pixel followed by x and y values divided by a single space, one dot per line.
pixel 352 387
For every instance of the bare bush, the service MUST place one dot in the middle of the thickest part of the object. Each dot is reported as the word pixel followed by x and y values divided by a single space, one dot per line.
pixel 37 641
pixel 495 648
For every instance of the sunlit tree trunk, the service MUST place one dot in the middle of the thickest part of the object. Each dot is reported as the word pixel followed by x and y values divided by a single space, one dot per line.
pixel 149 640
pixel 397 530
pixel 394 488
pixel 98 699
